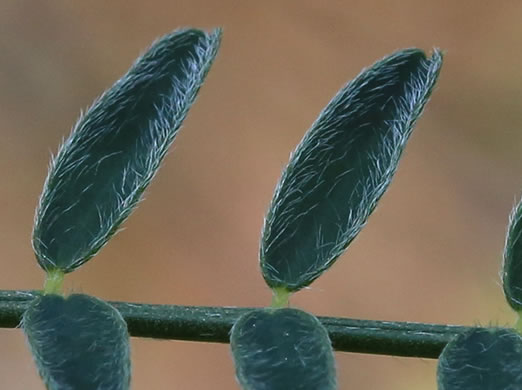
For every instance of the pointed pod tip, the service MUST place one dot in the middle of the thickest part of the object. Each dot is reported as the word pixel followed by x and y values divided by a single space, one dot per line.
pixel 437 56
pixel 217 32
pixel 215 36
pixel 433 58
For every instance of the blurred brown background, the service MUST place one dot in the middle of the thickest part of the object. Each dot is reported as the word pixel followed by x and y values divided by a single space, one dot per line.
pixel 432 250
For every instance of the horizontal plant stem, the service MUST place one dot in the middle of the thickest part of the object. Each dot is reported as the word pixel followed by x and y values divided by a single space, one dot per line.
pixel 213 324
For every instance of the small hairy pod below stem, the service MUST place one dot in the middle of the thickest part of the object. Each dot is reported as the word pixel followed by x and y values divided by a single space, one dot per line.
pixel 78 342
pixel 281 349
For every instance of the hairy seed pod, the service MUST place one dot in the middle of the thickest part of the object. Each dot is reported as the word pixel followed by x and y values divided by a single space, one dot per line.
pixel 115 149
pixel 78 343
pixel 482 359
pixel 282 349
pixel 342 167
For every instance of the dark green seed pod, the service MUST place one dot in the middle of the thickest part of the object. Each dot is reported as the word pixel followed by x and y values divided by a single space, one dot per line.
pixel 115 149
pixel 282 349
pixel 78 343
pixel 342 167
pixel 512 269
pixel 482 359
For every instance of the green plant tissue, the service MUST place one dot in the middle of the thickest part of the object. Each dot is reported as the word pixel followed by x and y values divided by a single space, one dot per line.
pixel 482 359
pixel 512 268
pixel 116 147
pixel 78 343
pixel 342 167
pixel 282 349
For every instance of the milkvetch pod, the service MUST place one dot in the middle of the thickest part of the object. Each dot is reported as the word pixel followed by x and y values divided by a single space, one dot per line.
pixel 282 349
pixel 482 359
pixel 116 147
pixel 78 343
pixel 342 167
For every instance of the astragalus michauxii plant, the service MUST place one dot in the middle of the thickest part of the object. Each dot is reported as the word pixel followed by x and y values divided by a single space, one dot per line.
pixel 331 185
pixel 94 182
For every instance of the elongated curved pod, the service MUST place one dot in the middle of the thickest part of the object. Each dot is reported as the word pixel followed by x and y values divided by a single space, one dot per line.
pixel 115 149
pixel 342 167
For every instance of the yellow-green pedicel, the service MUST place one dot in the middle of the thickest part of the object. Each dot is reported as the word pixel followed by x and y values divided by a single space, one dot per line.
pixel 78 343
pixel 282 349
